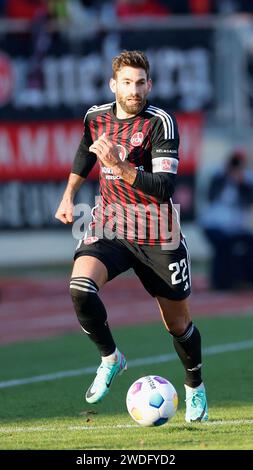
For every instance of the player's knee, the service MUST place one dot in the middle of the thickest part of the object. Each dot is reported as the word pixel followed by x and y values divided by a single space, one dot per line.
pixel 82 290
pixel 177 327
pixel 88 306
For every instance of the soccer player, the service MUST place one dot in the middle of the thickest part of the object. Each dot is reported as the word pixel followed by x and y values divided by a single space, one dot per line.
pixel 136 145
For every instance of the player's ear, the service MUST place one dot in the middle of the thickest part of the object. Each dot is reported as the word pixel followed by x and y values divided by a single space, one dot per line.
pixel 112 85
pixel 150 83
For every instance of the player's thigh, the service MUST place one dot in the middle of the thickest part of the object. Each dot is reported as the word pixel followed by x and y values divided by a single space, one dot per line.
pixel 164 273
pixel 101 260
pixel 91 267
pixel 166 276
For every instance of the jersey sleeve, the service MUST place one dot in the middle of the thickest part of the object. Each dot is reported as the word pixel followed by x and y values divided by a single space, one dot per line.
pixel 165 143
pixel 164 154
pixel 84 160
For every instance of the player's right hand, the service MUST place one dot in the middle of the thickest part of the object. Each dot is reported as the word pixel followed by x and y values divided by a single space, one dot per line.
pixel 65 211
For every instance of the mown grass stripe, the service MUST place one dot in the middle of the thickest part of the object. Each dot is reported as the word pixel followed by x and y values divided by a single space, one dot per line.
pixel 209 351
pixel 24 429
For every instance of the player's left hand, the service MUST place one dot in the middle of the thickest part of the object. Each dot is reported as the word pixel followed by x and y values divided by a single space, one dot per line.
pixel 106 151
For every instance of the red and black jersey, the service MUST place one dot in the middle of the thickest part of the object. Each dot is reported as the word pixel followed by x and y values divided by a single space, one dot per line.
pixel 149 141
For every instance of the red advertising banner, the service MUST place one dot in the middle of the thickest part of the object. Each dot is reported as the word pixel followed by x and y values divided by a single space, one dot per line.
pixel 38 150
pixel 44 151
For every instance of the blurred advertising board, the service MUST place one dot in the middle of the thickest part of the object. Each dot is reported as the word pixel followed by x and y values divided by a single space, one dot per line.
pixel 41 151
pixel 70 76
pixel 36 158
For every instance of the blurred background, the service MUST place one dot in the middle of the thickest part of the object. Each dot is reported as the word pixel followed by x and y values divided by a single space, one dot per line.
pixel 55 62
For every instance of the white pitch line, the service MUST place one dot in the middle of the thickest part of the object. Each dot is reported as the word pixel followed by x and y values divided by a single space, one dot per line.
pixel 7 430
pixel 143 361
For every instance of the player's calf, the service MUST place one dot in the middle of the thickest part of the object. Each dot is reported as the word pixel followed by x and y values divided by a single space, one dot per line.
pixel 91 314
pixel 92 317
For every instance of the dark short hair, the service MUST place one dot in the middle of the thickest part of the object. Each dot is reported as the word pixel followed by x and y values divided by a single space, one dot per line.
pixel 136 59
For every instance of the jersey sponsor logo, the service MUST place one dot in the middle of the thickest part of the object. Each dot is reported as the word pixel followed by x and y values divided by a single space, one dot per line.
pixel 113 177
pixel 122 152
pixel 137 139
pixel 107 170
pixel 167 151
pixel 90 240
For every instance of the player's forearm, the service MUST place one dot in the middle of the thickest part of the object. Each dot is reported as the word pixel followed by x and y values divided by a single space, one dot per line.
pixel 74 183
pixel 159 185
pixel 84 160
pixel 126 171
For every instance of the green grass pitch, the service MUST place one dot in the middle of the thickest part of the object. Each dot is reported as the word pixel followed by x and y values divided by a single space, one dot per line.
pixel 52 414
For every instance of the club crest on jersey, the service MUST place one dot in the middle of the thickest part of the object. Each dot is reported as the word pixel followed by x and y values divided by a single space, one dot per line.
pixel 166 164
pixel 137 139
pixel 122 152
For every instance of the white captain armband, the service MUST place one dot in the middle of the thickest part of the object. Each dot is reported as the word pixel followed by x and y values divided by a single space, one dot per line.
pixel 165 165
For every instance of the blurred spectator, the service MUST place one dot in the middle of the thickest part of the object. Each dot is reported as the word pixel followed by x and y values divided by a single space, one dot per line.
pixel 129 8
pixel 200 7
pixel 226 224
pixel 107 12
pixel 25 9
pixel 205 7
pixel 192 7
pixel 90 3
pixel 3 7
pixel 83 19
pixel 58 9
pixel 233 6
pixel 37 13
pixel 40 40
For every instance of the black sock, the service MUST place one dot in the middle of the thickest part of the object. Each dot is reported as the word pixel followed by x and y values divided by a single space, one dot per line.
pixel 188 348
pixel 91 314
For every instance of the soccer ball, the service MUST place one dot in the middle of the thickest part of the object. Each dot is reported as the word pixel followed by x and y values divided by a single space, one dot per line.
pixel 152 401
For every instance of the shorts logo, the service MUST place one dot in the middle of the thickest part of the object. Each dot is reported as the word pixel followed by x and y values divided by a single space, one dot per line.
pixel 90 240
pixel 137 139
pixel 122 152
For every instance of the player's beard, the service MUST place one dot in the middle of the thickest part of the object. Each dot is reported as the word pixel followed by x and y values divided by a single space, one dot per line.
pixel 132 107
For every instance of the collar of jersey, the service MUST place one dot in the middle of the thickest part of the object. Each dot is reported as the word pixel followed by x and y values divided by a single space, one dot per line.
pixel 112 111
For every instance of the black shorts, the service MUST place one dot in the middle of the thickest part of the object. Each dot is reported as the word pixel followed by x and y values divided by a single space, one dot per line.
pixel 164 273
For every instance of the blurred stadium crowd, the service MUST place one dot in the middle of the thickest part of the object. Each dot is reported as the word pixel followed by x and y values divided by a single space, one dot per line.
pixel 121 9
